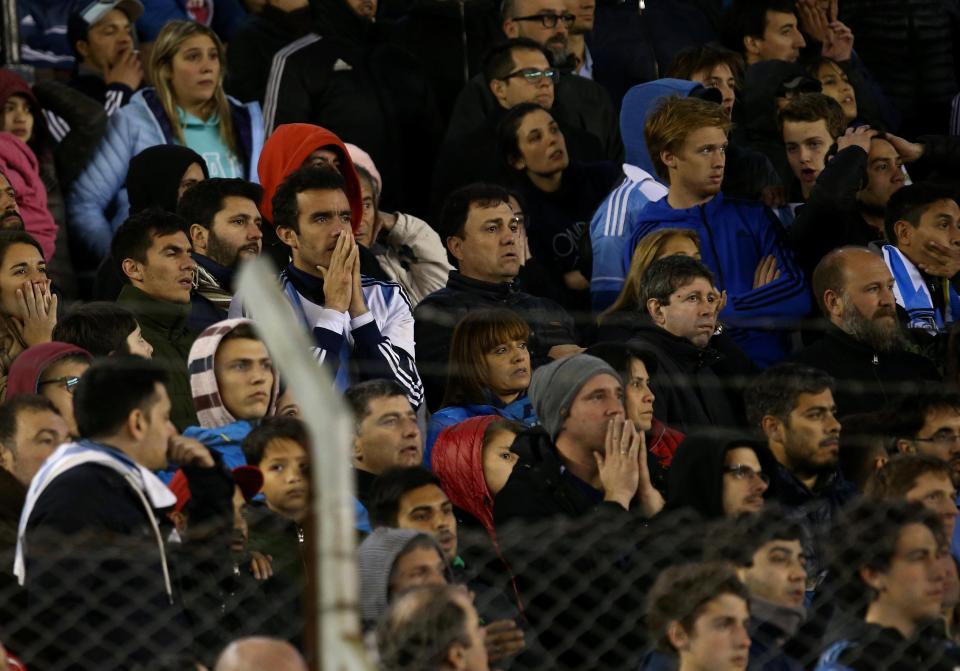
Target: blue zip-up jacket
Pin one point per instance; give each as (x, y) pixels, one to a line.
(140, 124)
(615, 220)
(734, 237)
(520, 410)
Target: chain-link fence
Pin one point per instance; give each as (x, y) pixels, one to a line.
(578, 587)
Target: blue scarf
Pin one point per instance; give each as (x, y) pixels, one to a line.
(913, 295)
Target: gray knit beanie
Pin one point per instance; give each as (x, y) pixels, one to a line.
(376, 557)
(554, 386)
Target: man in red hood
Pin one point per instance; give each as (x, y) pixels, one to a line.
(52, 370)
(294, 145)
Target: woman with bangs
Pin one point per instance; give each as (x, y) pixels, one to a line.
(186, 106)
(489, 372)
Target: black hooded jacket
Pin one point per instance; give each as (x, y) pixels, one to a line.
(350, 78)
(694, 387)
(579, 103)
(755, 119)
(866, 379)
(695, 478)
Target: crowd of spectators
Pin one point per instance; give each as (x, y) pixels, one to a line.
(647, 313)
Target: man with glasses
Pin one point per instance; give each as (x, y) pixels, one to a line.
(52, 370)
(515, 71)
(929, 424)
(579, 102)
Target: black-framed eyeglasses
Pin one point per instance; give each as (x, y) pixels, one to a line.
(533, 75)
(548, 20)
(68, 382)
(744, 472)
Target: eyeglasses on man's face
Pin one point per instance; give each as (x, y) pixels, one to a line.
(548, 20)
(534, 76)
(68, 383)
(744, 472)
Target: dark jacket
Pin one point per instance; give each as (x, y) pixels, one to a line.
(347, 77)
(571, 557)
(911, 49)
(755, 114)
(694, 387)
(866, 379)
(164, 325)
(91, 542)
(437, 315)
(633, 42)
(282, 539)
(695, 479)
(258, 38)
(578, 102)
(831, 216)
(14, 631)
(451, 44)
(540, 487)
(869, 647)
(92, 84)
(557, 222)
(475, 157)
(734, 237)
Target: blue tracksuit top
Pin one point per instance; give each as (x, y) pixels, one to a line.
(734, 236)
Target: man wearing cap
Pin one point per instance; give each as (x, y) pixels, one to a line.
(108, 66)
(584, 454)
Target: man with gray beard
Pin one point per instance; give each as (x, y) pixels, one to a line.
(863, 347)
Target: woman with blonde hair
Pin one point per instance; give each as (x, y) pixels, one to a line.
(489, 372)
(186, 106)
(654, 246)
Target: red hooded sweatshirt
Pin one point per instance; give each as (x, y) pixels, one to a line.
(457, 459)
(19, 165)
(286, 150)
(27, 368)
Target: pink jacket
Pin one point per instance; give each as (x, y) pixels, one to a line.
(20, 166)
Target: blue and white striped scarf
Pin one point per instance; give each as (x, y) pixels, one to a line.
(913, 295)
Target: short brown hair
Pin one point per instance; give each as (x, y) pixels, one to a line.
(692, 60)
(811, 107)
(671, 123)
(475, 335)
(899, 475)
(681, 593)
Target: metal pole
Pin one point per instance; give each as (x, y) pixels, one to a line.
(11, 32)
(331, 431)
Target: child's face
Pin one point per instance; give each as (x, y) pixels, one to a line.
(286, 484)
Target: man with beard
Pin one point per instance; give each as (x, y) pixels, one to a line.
(793, 406)
(10, 218)
(224, 230)
(863, 346)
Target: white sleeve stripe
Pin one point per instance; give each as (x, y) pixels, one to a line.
(611, 206)
(414, 387)
(386, 348)
(277, 67)
(623, 206)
